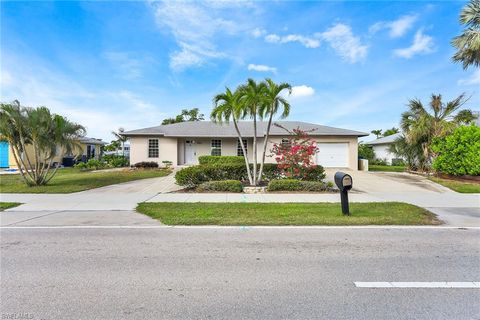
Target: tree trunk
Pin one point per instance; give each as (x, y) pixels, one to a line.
(19, 165)
(245, 155)
(265, 147)
(254, 149)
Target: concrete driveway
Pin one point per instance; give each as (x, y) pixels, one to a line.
(452, 207)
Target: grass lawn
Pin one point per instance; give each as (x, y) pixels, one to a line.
(244, 214)
(458, 186)
(69, 180)
(374, 167)
(8, 205)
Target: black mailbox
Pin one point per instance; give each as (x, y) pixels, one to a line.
(344, 182)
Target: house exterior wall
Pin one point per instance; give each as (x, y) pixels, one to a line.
(29, 152)
(382, 153)
(167, 150)
(173, 149)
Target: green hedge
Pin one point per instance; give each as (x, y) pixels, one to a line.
(225, 186)
(193, 176)
(458, 153)
(297, 185)
(221, 160)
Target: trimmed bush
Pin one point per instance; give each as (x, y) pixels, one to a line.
(224, 186)
(211, 160)
(115, 161)
(458, 153)
(146, 164)
(193, 176)
(296, 185)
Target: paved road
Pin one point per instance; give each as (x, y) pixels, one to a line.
(236, 273)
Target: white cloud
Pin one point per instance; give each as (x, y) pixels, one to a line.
(344, 43)
(261, 68)
(128, 67)
(474, 79)
(302, 91)
(397, 28)
(193, 26)
(422, 44)
(100, 111)
(307, 42)
(257, 32)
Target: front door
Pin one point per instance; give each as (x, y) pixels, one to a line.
(190, 152)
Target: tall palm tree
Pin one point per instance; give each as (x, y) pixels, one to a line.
(468, 43)
(377, 133)
(421, 125)
(48, 135)
(272, 102)
(228, 105)
(121, 138)
(252, 95)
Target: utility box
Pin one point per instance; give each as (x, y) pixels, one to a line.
(363, 164)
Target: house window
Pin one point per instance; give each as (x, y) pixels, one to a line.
(216, 147)
(153, 148)
(286, 142)
(239, 147)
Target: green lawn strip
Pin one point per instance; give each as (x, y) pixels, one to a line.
(373, 167)
(8, 205)
(458, 186)
(69, 180)
(245, 214)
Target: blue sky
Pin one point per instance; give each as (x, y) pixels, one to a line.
(131, 64)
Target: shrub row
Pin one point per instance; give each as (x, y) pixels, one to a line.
(210, 160)
(146, 164)
(224, 186)
(191, 177)
(298, 185)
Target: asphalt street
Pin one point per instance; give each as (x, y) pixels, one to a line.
(155, 272)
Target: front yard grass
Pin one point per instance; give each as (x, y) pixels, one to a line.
(249, 214)
(374, 167)
(69, 180)
(458, 186)
(8, 205)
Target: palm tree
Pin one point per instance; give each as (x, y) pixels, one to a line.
(468, 43)
(121, 138)
(377, 133)
(228, 105)
(253, 96)
(272, 102)
(421, 125)
(48, 135)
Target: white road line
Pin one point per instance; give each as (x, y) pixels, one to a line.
(432, 285)
(233, 227)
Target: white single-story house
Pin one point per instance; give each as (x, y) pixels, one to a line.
(182, 143)
(381, 147)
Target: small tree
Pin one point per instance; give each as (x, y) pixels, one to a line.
(121, 138)
(295, 155)
(365, 151)
(47, 135)
(186, 115)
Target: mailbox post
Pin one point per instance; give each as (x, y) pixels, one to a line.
(344, 182)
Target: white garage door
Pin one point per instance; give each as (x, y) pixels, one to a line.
(332, 155)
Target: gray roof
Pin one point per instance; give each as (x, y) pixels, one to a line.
(92, 141)
(211, 129)
(385, 140)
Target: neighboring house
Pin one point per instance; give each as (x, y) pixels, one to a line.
(182, 143)
(381, 147)
(91, 148)
(120, 151)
